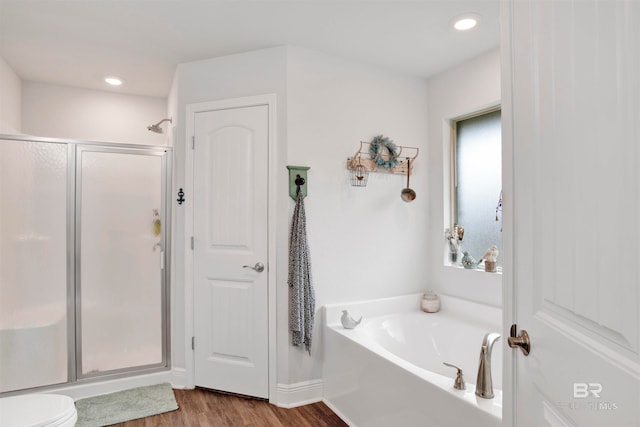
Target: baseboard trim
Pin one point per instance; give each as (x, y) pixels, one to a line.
(298, 394)
(338, 412)
(179, 378)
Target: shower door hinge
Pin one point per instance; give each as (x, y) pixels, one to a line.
(193, 142)
(193, 343)
(192, 245)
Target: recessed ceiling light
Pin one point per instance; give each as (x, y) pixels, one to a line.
(113, 81)
(466, 22)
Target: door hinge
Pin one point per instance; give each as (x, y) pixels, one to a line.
(193, 343)
(193, 142)
(192, 244)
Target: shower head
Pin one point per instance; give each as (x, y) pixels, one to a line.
(156, 128)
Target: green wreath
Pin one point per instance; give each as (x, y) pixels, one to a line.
(376, 147)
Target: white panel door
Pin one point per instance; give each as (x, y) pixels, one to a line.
(573, 105)
(230, 246)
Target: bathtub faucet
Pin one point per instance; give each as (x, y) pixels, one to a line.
(484, 384)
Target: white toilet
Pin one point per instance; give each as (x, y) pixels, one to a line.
(38, 410)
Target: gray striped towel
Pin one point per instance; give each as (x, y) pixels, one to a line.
(302, 300)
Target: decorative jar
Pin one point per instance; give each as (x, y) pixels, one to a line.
(430, 302)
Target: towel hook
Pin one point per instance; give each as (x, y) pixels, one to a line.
(297, 181)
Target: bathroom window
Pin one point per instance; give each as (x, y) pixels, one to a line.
(477, 182)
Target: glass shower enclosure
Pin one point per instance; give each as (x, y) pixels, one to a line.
(83, 261)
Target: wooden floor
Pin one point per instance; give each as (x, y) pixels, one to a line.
(208, 409)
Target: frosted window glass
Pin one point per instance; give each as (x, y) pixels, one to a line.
(479, 182)
(33, 274)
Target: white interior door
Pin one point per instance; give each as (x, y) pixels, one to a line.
(230, 250)
(572, 104)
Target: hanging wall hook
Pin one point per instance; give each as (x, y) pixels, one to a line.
(297, 181)
(180, 198)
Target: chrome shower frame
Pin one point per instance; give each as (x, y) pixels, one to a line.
(74, 337)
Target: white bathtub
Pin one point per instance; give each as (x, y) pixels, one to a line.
(389, 371)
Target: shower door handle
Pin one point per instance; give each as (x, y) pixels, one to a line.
(259, 267)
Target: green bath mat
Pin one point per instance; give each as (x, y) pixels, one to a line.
(125, 405)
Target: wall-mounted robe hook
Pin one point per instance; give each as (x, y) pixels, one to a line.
(297, 179)
(299, 182)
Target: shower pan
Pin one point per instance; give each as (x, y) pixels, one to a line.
(83, 261)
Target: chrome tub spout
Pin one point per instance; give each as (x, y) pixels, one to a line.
(484, 384)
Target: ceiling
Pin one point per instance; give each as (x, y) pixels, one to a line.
(78, 43)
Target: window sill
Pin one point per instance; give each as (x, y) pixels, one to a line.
(477, 269)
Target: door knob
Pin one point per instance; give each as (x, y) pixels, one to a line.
(521, 340)
(259, 267)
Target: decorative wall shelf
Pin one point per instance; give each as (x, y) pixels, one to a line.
(363, 158)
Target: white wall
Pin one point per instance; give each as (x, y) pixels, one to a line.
(464, 89)
(10, 99)
(365, 242)
(66, 112)
(248, 74)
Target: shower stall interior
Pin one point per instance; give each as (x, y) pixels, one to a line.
(83, 261)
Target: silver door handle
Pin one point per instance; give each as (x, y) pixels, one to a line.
(259, 267)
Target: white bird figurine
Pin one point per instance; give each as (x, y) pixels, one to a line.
(492, 254)
(347, 320)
